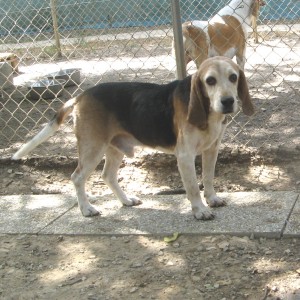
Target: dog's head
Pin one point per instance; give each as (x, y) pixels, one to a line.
(217, 86)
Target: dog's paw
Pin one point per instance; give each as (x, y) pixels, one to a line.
(132, 201)
(215, 201)
(89, 211)
(203, 215)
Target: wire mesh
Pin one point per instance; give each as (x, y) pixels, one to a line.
(132, 40)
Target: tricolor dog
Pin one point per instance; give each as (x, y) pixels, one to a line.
(225, 34)
(185, 117)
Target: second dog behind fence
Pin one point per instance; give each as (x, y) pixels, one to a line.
(186, 118)
(224, 34)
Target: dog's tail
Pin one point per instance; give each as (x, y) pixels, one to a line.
(48, 130)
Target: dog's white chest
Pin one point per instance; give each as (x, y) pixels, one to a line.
(202, 140)
(213, 135)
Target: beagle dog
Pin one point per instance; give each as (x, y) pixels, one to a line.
(185, 118)
(225, 34)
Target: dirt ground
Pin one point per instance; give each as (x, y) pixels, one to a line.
(146, 267)
(141, 267)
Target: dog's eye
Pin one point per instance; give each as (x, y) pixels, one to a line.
(211, 80)
(233, 78)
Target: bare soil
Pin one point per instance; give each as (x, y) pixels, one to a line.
(141, 267)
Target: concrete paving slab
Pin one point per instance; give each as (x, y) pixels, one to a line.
(260, 213)
(31, 213)
(293, 224)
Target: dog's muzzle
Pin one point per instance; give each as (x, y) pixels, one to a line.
(227, 104)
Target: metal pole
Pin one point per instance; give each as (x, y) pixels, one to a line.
(178, 39)
(55, 28)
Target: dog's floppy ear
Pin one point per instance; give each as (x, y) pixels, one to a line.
(243, 93)
(199, 104)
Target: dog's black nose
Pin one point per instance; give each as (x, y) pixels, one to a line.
(227, 102)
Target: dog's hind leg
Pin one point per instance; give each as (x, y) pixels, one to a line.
(113, 159)
(88, 160)
(240, 58)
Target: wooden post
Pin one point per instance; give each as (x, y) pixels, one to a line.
(55, 28)
(254, 25)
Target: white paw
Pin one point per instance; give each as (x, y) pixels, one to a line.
(132, 201)
(215, 201)
(89, 211)
(203, 214)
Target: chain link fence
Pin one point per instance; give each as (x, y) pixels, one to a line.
(132, 41)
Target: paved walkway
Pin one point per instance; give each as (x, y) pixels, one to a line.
(269, 214)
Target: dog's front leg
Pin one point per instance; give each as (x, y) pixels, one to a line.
(186, 166)
(209, 159)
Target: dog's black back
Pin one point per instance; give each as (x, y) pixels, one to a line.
(143, 109)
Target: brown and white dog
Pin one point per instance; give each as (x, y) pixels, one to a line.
(186, 118)
(225, 34)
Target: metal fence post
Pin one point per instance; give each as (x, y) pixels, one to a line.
(178, 39)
